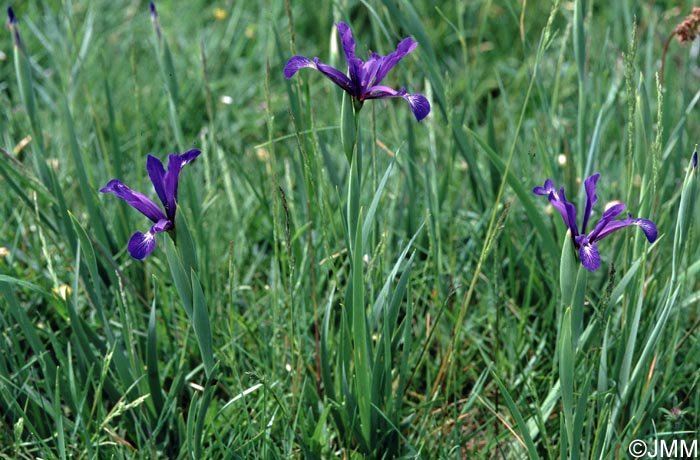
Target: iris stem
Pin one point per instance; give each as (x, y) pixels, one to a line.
(352, 146)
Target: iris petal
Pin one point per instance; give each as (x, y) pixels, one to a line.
(590, 256)
(369, 71)
(346, 40)
(136, 200)
(141, 244)
(606, 225)
(419, 105)
(362, 78)
(172, 177)
(586, 244)
(380, 92)
(188, 157)
(406, 46)
(647, 226)
(295, 63)
(546, 189)
(337, 77)
(591, 198)
(570, 218)
(156, 171)
(165, 184)
(162, 225)
(565, 211)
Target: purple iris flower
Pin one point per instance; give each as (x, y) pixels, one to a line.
(13, 26)
(165, 184)
(364, 78)
(586, 243)
(154, 18)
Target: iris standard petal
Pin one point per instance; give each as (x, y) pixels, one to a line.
(156, 172)
(402, 49)
(591, 198)
(380, 92)
(570, 216)
(369, 70)
(171, 180)
(295, 63)
(136, 200)
(588, 252)
(188, 157)
(141, 244)
(355, 75)
(162, 225)
(346, 40)
(172, 177)
(546, 189)
(606, 220)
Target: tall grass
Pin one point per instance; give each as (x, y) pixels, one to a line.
(345, 284)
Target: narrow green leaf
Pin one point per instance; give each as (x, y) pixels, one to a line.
(577, 305)
(620, 288)
(170, 74)
(353, 203)
(380, 300)
(58, 413)
(93, 285)
(325, 354)
(369, 219)
(154, 385)
(202, 409)
(193, 444)
(632, 337)
(87, 190)
(568, 270)
(348, 127)
(566, 374)
(580, 417)
(403, 371)
(361, 353)
(20, 180)
(185, 244)
(20, 315)
(25, 284)
(202, 326)
(519, 420)
(180, 277)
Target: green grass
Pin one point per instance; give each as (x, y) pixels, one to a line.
(342, 284)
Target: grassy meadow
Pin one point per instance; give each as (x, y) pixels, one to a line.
(345, 281)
